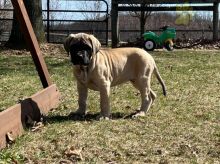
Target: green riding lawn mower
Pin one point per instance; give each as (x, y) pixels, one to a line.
(165, 39)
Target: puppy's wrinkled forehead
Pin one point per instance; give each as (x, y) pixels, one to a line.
(79, 45)
(80, 41)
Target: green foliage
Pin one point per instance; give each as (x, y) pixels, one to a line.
(7, 157)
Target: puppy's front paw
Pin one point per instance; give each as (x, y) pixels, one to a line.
(139, 114)
(77, 116)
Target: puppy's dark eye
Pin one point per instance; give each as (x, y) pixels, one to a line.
(80, 50)
(81, 53)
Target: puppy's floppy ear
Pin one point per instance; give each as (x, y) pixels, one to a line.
(67, 42)
(96, 45)
(92, 42)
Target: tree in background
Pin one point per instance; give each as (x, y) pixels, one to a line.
(95, 5)
(141, 15)
(34, 9)
(5, 4)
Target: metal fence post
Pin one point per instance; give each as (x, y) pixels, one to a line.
(115, 24)
(48, 21)
(215, 20)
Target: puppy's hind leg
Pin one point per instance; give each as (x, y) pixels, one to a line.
(147, 97)
(153, 95)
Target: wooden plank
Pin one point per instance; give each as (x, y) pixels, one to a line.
(31, 40)
(162, 1)
(47, 98)
(13, 120)
(10, 122)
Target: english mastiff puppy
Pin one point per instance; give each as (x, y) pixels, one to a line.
(99, 69)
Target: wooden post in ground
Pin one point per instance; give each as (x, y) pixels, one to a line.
(31, 40)
(215, 20)
(114, 24)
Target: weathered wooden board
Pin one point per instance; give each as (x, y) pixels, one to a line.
(13, 120)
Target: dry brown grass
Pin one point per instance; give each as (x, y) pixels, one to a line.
(183, 127)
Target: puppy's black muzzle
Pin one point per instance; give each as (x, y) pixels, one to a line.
(80, 58)
(80, 54)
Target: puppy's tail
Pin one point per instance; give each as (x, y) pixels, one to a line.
(159, 78)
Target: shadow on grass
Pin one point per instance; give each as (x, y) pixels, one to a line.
(87, 117)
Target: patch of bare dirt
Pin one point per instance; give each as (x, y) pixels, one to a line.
(197, 44)
(58, 50)
(47, 49)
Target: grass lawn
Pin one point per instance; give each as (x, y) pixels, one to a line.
(183, 127)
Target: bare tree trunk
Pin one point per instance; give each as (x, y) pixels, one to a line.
(34, 9)
(141, 15)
